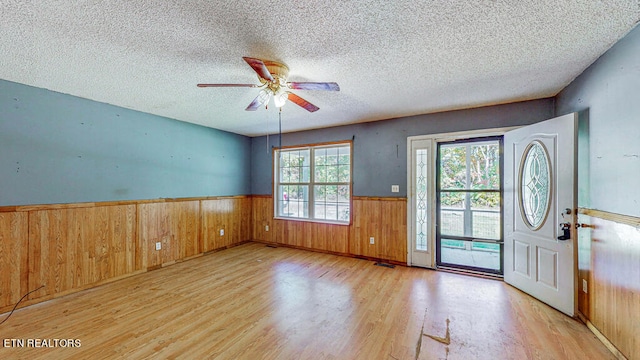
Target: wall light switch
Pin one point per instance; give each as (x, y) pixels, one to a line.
(266, 228)
(395, 188)
(158, 245)
(371, 240)
(221, 232)
(584, 285)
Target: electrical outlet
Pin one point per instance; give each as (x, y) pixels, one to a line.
(221, 232)
(395, 188)
(371, 240)
(158, 245)
(584, 285)
(266, 228)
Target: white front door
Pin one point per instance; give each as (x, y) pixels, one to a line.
(539, 201)
(421, 186)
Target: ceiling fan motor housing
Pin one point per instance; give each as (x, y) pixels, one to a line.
(280, 73)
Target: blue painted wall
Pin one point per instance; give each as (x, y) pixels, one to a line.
(607, 94)
(380, 147)
(56, 148)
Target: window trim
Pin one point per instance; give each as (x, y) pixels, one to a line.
(276, 174)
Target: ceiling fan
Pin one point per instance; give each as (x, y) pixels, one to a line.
(273, 82)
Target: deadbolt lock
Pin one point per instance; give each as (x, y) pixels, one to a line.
(566, 231)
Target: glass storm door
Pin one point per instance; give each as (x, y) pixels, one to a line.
(469, 205)
(540, 207)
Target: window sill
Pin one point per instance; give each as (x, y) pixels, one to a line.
(317, 221)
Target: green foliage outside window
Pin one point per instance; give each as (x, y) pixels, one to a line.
(482, 168)
(330, 165)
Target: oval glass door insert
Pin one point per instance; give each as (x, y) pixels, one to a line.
(535, 185)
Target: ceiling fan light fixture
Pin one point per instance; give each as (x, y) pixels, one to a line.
(280, 98)
(263, 96)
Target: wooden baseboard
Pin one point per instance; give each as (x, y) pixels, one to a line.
(386, 261)
(224, 248)
(29, 302)
(601, 337)
(368, 258)
(274, 244)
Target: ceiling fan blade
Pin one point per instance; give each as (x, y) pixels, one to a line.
(229, 85)
(328, 86)
(262, 98)
(259, 68)
(302, 102)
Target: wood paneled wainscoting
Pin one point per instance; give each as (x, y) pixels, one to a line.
(232, 215)
(384, 219)
(609, 261)
(71, 247)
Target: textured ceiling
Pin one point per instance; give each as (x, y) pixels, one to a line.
(390, 58)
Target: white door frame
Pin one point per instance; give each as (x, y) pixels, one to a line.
(434, 139)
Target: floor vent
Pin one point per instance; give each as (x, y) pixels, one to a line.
(385, 265)
(272, 246)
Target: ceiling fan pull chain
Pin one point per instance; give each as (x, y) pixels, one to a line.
(280, 128)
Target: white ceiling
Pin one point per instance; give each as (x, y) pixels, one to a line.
(390, 58)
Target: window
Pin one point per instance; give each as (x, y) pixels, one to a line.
(314, 182)
(535, 182)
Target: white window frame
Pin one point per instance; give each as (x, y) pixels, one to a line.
(311, 184)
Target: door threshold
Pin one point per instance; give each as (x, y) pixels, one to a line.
(470, 273)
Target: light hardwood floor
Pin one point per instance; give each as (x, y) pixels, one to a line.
(258, 302)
